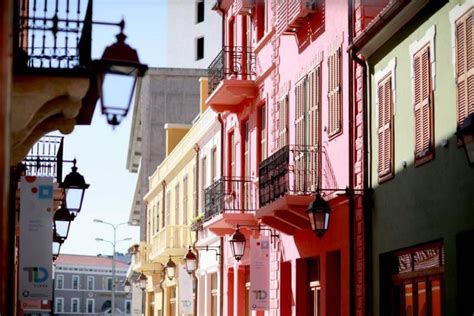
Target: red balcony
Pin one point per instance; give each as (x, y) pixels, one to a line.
(229, 201)
(292, 14)
(288, 181)
(231, 79)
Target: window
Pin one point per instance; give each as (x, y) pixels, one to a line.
(214, 164)
(313, 129)
(109, 284)
(128, 307)
(176, 204)
(172, 301)
(231, 148)
(203, 181)
(214, 294)
(283, 122)
(263, 132)
(59, 306)
(74, 305)
(75, 282)
(334, 94)
(300, 113)
(195, 192)
(59, 281)
(157, 216)
(168, 208)
(423, 106)
(200, 48)
(385, 129)
(246, 162)
(412, 281)
(90, 283)
(185, 200)
(315, 296)
(260, 19)
(90, 303)
(199, 11)
(465, 65)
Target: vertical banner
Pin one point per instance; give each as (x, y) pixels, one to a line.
(36, 238)
(260, 273)
(185, 291)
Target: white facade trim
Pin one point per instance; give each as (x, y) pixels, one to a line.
(87, 305)
(427, 39)
(78, 300)
(57, 300)
(457, 12)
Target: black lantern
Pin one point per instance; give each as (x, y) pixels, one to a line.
(57, 243)
(237, 244)
(465, 134)
(127, 286)
(118, 70)
(171, 269)
(191, 261)
(142, 281)
(62, 222)
(74, 187)
(319, 212)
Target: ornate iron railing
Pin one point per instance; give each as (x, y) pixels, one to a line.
(232, 62)
(293, 169)
(229, 195)
(53, 35)
(45, 158)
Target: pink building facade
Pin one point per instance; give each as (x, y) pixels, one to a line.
(283, 85)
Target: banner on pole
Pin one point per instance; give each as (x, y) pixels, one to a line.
(36, 238)
(185, 291)
(260, 273)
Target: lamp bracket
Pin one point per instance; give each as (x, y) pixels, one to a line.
(259, 227)
(347, 191)
(209, 248)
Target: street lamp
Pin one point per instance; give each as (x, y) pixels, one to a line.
(113, 243)
(62, 221)
(465, 134)
(74, 187)
(319, 212)
(119, 65)
(237, 244)
(127, 287)
(142, 284)
(171, 269)
(190, 261)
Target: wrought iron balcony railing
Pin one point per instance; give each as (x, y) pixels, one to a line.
(229, 195)
(45, 158)
(232, 62)
(53, 36)
(294, 169)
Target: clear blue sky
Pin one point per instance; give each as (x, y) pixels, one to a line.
(101, 152)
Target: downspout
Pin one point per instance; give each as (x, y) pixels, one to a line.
(221, 257)
(351, 165)
(162, 288)
(367, 198)
(163, 210)
(196, 212)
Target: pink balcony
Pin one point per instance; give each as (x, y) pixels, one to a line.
(231, 79)
(244, 6)
(291, 14)
(287, 184)
(229, 201)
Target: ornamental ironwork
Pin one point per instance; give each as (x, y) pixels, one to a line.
(233, 62)
(45, 158)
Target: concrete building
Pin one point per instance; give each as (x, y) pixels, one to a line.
(83, 285)
(194, 33)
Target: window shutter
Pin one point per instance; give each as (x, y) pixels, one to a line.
(300, 113)
(283, 122)
(334, 93)
(314, 127)
(465, 66)
(422, 90)
(385, 135)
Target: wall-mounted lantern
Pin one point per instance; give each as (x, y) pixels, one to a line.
(74, 187)
(319, 212)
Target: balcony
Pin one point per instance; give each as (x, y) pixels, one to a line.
(54, 84)
(287, 184)
(170, 241)
(244, 7)
(229, 201)
(292, 14)
(231, 79)
(141, 261)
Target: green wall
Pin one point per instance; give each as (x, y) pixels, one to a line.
(436, 200)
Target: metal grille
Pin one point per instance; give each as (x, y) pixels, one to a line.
(45, 158)
(294, 169)
(54, 34)
(229, 194)
(232, 62)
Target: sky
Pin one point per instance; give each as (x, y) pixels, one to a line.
(101, 151)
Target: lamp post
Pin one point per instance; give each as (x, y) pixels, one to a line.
(113, 243)
(142, 284)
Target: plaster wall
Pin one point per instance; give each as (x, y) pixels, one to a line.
(433, 201)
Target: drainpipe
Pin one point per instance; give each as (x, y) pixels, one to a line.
(162, 288)
(221, 257)
(195, 250)
(163, 204)
(367, 198)
(218, 8)
(351, 166)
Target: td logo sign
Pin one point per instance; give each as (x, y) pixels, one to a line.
(36, 274)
